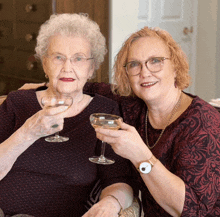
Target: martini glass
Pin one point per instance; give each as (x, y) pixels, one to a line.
(56, 101)
(107, 121)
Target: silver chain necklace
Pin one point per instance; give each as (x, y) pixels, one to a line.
(172, 114)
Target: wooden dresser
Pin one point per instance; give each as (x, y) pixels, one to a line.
(19, 25)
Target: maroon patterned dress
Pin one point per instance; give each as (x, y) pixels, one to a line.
(189, 148)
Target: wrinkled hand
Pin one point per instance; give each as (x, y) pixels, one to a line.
(40, 124)
(125, 142)
(104, 208)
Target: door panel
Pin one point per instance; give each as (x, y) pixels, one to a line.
(174, 16)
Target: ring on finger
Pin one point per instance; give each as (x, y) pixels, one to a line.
(54, 126)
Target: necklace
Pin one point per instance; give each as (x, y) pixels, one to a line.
(172, 114)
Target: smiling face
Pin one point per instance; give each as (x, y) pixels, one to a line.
(147, 85)
(66, 77)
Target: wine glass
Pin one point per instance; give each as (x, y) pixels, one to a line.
(108, 121)
(56, 101)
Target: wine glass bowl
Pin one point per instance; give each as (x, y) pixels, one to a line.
(108, 121)
(52, 102)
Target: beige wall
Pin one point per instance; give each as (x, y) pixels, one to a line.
(207, 70)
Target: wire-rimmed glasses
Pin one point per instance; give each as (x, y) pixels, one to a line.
(77, 60)
(154, 64)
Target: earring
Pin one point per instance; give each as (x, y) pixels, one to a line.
(46, 76)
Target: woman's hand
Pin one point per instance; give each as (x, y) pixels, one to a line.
(40, 124)
(107, 207)
(125, 142)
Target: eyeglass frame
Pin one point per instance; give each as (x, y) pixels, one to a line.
(145, 63)
(54, 55)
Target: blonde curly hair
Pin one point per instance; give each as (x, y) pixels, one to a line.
(178, 58)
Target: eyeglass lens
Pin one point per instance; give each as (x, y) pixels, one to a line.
(153, 65)
(76, 61)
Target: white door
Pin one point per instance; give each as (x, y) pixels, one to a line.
(179, 18)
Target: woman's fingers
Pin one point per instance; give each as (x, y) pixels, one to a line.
(125, 126)
(125, 142)
(50, 111)
(46, 122)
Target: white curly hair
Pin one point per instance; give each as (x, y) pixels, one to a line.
(72, 25)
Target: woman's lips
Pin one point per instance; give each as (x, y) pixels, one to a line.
(148, 84)
(67, 79)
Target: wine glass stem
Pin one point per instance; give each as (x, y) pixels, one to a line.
(102, 150)
(57, 135)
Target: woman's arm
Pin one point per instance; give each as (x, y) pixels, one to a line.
(166, 188)
(37, 126)
(26, 86)
(2, 99)
(193, 188)
(112, 199)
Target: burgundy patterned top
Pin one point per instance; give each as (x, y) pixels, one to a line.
(189, 148)
(55, 179)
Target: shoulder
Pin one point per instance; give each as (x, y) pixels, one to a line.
(200, 120)
(202, 109)
(21, 94)
(21, 98)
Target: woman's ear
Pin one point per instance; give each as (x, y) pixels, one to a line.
(91, 71)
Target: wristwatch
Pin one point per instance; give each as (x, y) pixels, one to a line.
(146, 166)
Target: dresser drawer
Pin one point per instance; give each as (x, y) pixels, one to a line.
(20, 64)
(37, 11)
(6, 33)
(6, 10)
(7, 61)
(28, 67)
(26, 36)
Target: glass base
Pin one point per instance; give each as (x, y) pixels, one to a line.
(56, 139)
(101, 160)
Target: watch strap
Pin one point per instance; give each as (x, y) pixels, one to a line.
(152, 160)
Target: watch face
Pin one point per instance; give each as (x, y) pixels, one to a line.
(145, 167)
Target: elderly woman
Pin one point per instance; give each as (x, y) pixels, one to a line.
(54, 179)
(174, 140)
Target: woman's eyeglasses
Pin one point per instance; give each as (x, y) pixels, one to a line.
(154, 64)
(78, 61)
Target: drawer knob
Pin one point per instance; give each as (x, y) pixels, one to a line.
(29, 8)
(29, 37)
(31, 63)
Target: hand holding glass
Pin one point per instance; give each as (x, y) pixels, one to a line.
(108, 121)
(56, 101)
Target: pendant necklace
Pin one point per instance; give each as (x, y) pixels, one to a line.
(172, 114)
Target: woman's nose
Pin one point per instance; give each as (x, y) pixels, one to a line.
(68, 67)
(145, 72)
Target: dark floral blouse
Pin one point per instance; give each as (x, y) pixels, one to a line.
(189, 148)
